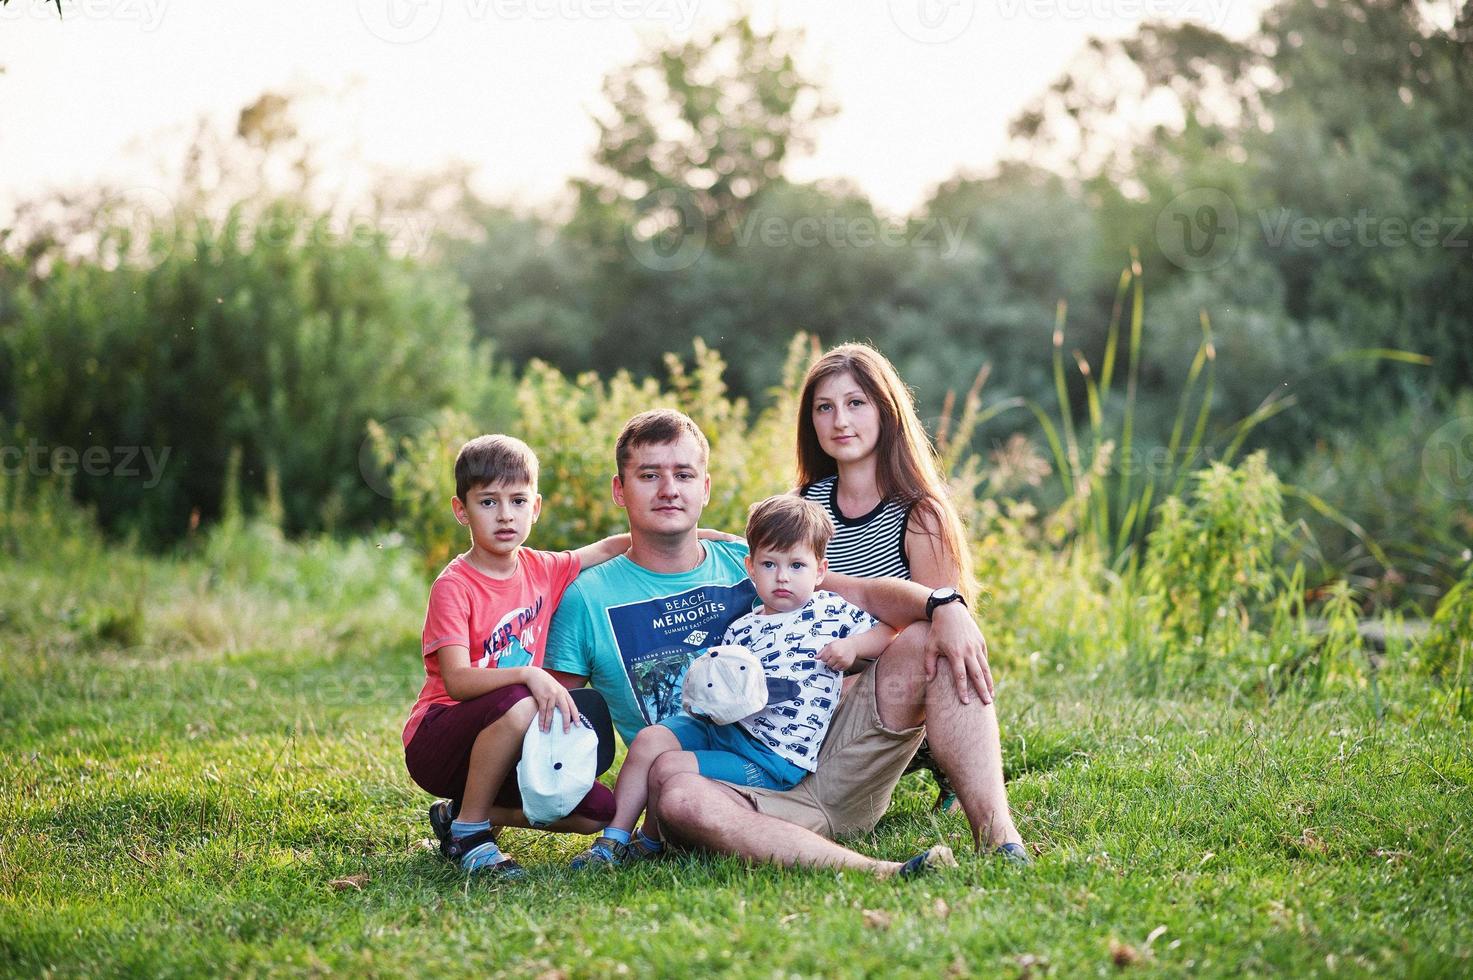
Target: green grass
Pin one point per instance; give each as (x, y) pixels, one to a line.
(180, 807)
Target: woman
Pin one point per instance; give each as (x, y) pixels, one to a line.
(864, 457)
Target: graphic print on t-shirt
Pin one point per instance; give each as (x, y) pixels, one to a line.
(508, 642)
(658, 638)
(788, 644)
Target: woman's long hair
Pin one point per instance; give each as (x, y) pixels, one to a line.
(906, 465)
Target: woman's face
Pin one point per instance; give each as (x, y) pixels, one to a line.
(846, 420)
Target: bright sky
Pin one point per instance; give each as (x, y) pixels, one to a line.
(925, 88)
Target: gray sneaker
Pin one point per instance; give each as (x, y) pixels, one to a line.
(608, 853)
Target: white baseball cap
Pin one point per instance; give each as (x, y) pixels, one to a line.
(725, 684)
(557, 769)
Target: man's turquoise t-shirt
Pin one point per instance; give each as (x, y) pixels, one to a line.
(633, 632)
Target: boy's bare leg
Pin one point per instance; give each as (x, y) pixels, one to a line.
(703, 813)
(667, 765)
(964, 737)
(631, 789)
(492, 756)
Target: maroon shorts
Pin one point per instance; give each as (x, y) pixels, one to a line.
(439, 755)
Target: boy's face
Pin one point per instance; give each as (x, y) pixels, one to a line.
(785, 577)
(500, 515)
(663, 488)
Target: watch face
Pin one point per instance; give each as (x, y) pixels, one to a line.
(941, 595)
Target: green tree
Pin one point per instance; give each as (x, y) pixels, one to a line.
(707, 124)
(269, 332)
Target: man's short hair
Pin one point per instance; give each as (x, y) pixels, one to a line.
(788, 521)
(657, 428)
(494, 459)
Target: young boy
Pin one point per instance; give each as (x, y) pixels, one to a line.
(800, 635)
(482, 645)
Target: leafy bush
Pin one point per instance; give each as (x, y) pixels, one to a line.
(1447, 650)
(266, 331)
(1211, 562)
(1390, 477)
(572, 424)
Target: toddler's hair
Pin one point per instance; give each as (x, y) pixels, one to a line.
(494, 459)
(788, 521)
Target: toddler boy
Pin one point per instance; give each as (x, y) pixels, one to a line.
(799, 635)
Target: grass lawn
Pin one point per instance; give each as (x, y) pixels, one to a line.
(193, 751)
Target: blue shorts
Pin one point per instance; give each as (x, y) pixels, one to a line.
(730, 754)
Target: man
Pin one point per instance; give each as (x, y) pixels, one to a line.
(632, 625)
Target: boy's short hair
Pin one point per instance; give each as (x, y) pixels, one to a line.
(659, 427)
(494, 459)
(788, 521)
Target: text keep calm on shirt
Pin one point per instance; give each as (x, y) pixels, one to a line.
(502, 622)
(633, 632)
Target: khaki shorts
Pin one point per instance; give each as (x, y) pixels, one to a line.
(858, 767)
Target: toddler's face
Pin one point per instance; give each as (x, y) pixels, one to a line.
(785, 577)
(501, 515)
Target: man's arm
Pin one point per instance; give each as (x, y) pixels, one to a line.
(953, 633)
(571, 681)
(601, 551)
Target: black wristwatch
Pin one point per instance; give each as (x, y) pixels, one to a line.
(941, 597)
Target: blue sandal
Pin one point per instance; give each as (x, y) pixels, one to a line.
(1014, 854)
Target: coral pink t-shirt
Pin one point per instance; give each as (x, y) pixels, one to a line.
(503, 622)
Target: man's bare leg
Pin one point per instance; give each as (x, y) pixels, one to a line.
(964, 737)
(667, 765)
(700, 812)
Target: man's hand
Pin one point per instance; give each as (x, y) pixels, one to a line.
(955, 636)
(549, 694)
(839, 655)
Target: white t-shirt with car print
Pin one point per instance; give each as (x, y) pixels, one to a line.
(788, 645)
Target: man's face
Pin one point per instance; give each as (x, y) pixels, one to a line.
(663, 488)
